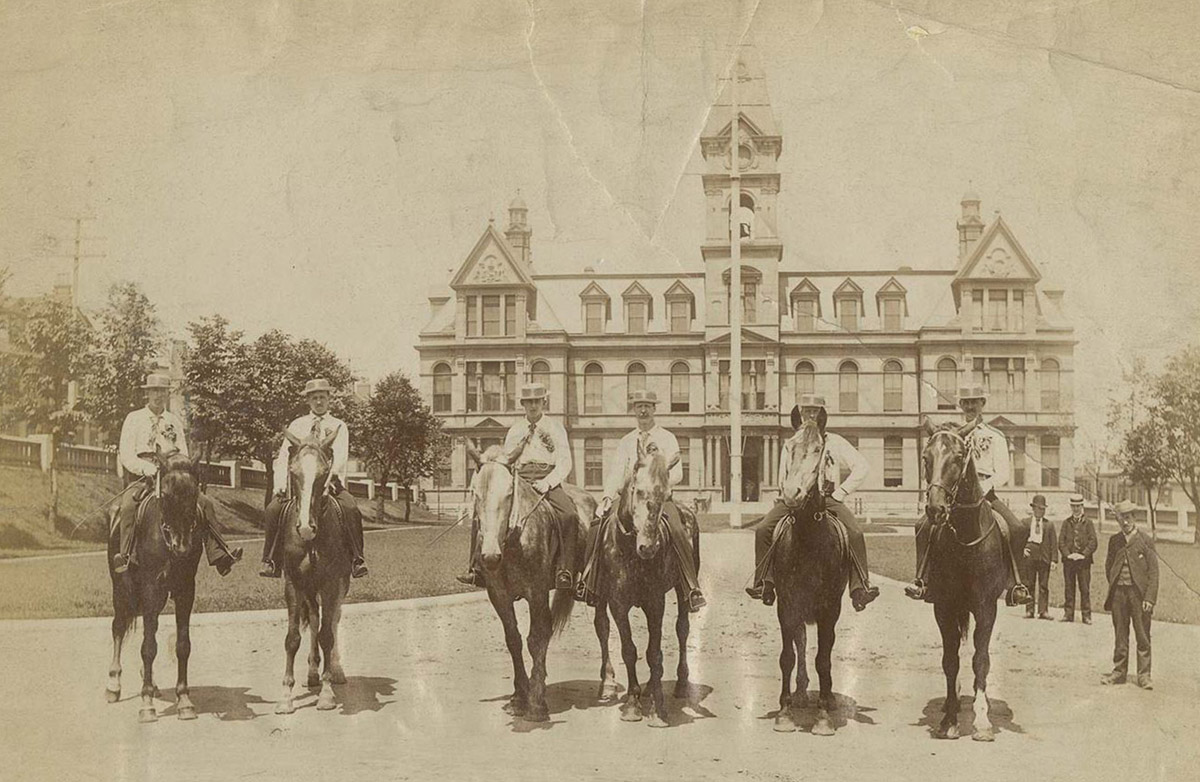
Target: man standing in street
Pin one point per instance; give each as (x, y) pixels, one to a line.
(1132, 568)
(1077, 543)
(1041, 554)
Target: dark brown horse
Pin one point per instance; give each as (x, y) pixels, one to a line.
(810, 565)
(518, 551)
(167, 552)
(316, 570)
(968, 569)
(637, 570)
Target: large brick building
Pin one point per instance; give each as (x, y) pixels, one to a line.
(885, 346)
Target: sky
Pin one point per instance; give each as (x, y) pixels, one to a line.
(321, 167)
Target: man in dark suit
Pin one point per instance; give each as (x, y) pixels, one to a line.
(1077, 543)
(1041, 554)
(1132, 568)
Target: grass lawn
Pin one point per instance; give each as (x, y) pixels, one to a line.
(1179, 566)
(404, 562)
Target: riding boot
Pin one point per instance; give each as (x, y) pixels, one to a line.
(474, 574)
(216, 549)
(919, 588)
(681, 544)
(352, 519)
(270, 561)
(1017, 593)
(588, 588)
(127, 525)
(861, 591)
(568, 532)
(763, 587)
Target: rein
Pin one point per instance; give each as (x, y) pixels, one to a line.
(954, 492)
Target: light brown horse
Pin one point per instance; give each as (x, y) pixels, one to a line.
(638, 569)
(316, 570)
(167, 553)
(518, 552)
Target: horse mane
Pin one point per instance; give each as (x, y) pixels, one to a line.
(180, 483)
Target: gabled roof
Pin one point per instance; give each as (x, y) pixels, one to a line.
(747, 336)
(998, 255)
(848, 288)
(489, 423)
(679, 290)
(754, 103)
(635, 291)
(491, 262)
(805, 288)
(594, 291)
(891, 289)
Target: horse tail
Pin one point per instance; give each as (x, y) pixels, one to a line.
(310, 613)
(964, 625)
(560, 610)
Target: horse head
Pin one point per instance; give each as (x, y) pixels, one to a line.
(308, 469)
(807, 447)
(949, 471)
(180, 493)
(492, 492)
(646, 489)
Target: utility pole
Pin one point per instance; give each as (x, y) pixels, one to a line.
(735, 303)
(76, 258)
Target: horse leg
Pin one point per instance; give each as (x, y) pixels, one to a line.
(313, 681)
(518, 704)
(185, 597)
(608, 677)
(785, 721)
(948, 624)
(826, 635)
(326, 700)
(800, 694)
(149, 651)
(655, 608)
(985, 619)
(631, 709)
(291, 645)
(683, 626)
(540, 624)
(333, 663)
(120, 626)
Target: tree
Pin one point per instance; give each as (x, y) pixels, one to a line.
(130, 337)
(211, 381)
(397, 436)
(1175, 403)
(1143, 460)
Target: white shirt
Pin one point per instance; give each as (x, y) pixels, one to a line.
(989, 450)
(142, 432)
(548, 445)
(302, 427)
(1036, 527)
(839, 454)
(627, 454)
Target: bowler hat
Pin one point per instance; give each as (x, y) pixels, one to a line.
(642, 395)
(1039, 501)
(532, 391)
(1125, 507)
(972, 392)
(157, 380)
(812, 400)
(317, 384)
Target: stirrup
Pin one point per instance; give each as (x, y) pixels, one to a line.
(470, 578)
(564, 579)
(269, 570)
(861, 598)
(358, 569)
(696, 601)
(917, 590)
(1017, 595)
(120, 563)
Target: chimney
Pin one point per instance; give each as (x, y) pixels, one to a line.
(970, 226)
(518, 232)
(436, 302)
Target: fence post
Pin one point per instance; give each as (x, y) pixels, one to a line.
(46, 443)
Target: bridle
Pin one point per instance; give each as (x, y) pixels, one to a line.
(519, 524)
(319, 497)
(943, 519)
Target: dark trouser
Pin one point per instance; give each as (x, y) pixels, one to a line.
(925, 528)
(352, 526)
(1126, 608)
(1077, 572)
(678, 538)
(567, 520)
(764, 533)
(1036, 574)
(216, 550)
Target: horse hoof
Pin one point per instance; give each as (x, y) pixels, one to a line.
(538, 715)
(784, 724)
(314, 680)
(950, 732)
(147, 715)
(112, 696)
(608, 693)
(631, 713)
(823, 728)
(285, 707)
(187, 713)
(337, 676)
(515, 708)
(984, 735)
(326, 701)
(656, 721)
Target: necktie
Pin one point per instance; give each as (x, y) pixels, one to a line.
(643, 444)
(154, 430)
(316, 427)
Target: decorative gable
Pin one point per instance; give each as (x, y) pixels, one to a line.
(805, 290)
(892, 289)
(491, 263)
(594, 291)
(999, 256)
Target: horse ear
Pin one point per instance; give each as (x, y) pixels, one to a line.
(926, 426)
(327, 441)
(291, 438)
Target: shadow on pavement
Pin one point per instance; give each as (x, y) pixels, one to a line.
(1000, 714)
(227, 703)
(363, 693)
(845, 710)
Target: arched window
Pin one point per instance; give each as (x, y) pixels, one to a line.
(947, 383)
(745, 216)
(635, 380)
(593, 461)
(593, 389)
(1050, 385)
(806, 379)
(848, 387)
(680, 387)
(441, 388)
(893, 387)
(539, 372)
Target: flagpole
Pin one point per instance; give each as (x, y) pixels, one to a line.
(735, 304)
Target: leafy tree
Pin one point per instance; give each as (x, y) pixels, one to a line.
(1175, 403)
(212, 379)
(397, 436)
(130, 336)
(56, 347)
(1143, 460)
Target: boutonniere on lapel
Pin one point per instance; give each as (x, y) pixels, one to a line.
(546, 439)
(169, 432)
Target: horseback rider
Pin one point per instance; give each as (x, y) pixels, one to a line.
(988, 449)
(148, 434)
(320, 424)
(537, 449)
(647, 438)
(839, 455)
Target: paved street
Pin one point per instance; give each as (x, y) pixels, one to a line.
(427, 680)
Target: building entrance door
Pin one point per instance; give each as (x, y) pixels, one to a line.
(751, 468)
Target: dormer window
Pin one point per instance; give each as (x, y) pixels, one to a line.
(597, 309)
(806, 307)
(892, 305)
(847, 305)
(639, 309)
(681, 308)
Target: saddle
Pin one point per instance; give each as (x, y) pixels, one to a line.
(843, 538)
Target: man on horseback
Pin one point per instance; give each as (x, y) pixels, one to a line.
(148, 434)
(839, 455)
(320, 424)
(988, 449)
(538, 451)
(647, 438)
